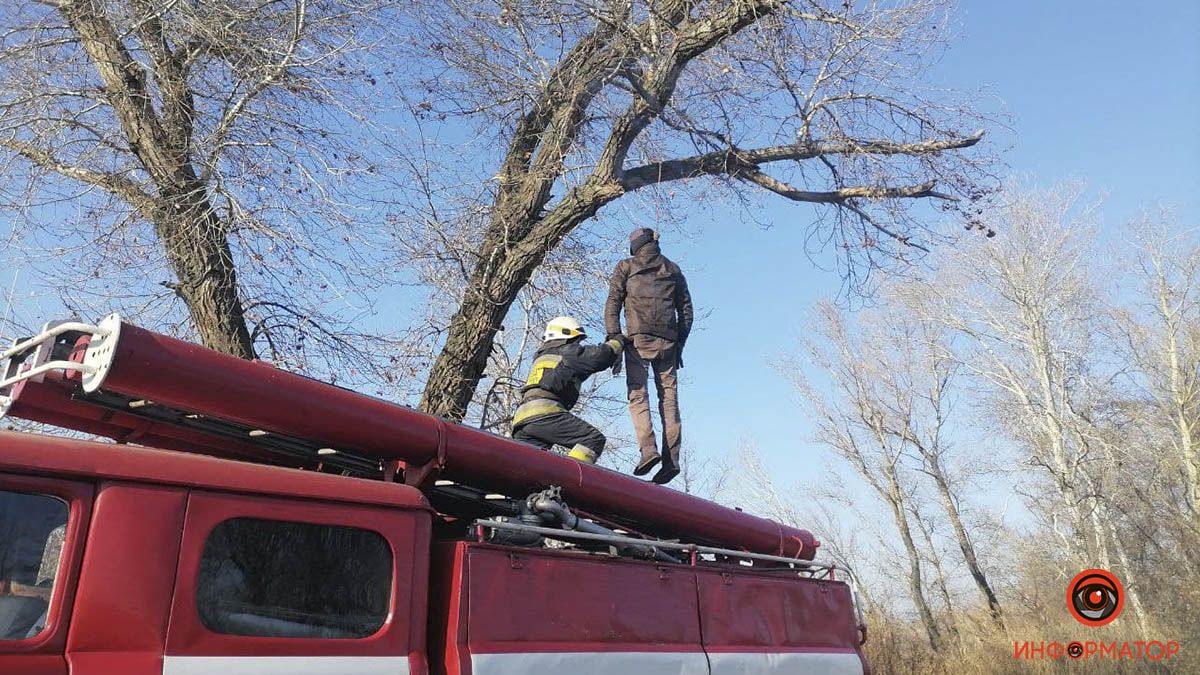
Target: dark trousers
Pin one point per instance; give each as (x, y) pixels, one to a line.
(562, 429)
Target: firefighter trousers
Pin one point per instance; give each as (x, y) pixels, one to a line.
(562, 429)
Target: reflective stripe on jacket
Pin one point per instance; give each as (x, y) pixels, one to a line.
(534, 408)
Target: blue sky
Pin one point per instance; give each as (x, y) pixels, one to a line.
(1095, 91)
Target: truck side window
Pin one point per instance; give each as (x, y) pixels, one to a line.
(32, 530)
(271, 578)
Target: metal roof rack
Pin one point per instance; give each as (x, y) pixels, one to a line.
(808, 568)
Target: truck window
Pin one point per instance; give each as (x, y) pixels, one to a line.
(32, 530)
(271, 578)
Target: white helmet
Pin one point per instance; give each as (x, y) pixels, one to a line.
(563, 328)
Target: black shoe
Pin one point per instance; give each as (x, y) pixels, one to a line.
(646, 464)
(666, 475)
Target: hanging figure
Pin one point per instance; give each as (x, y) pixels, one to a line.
(658, 317)
(544, 416)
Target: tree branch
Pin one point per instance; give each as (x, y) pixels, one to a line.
(693, 39)
(560, 82)
(727, 162)
(273, 74)
(840, 195)
(116, 184)
(170, 72)
(125, 87)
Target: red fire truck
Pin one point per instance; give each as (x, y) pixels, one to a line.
(250, 520)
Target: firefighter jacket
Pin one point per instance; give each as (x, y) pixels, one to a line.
(654, 294)
(559, 369)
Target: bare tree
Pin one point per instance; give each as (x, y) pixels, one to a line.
(748, 483)
(926, 525)
(1162, 336)
(710, 478)
(755, 489)
(851, 421)
(591, 101)
(210, 152)
(916, 375)
(1033, 319)
(1016, 334)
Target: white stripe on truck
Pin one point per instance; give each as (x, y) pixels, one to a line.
(575, 663)
(808, 663)
(591, 663)
(285, 665)
(667, 663)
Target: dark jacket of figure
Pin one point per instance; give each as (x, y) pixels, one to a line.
(654, 294)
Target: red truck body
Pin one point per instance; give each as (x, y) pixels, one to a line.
(116, 558)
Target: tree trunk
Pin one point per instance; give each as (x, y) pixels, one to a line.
(193, 237)
(1181, 397)
(964, 542)
(915, 586)
(197, 248)
(505, 266)
(943, 586)
(463, 359)
(1132, 587)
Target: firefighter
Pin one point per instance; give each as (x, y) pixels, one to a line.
(544, 417)
(658, 317)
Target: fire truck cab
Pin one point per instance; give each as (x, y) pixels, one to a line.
(118, 558)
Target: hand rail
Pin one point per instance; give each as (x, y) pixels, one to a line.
(615, 539)
(33, 357)
(45, 368)
(51, 333)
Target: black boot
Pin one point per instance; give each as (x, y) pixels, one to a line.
(666, 474)
(646, 464)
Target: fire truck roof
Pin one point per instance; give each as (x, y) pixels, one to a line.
(38, 454)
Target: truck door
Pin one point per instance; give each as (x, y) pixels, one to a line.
(515, 611)
(286, 586)
(42, 527)
(777, 624)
